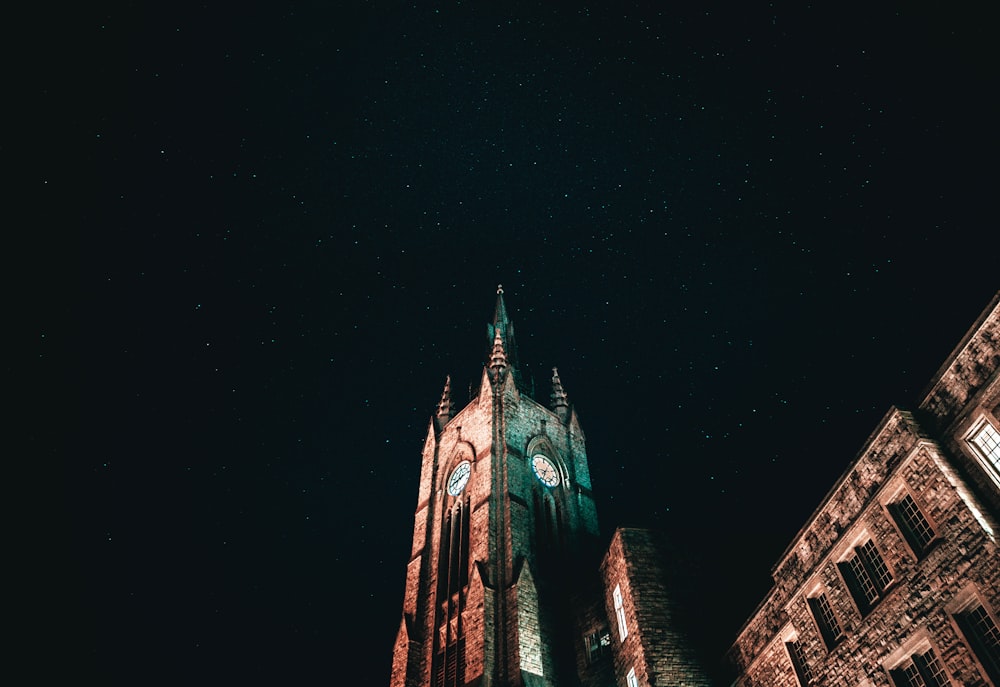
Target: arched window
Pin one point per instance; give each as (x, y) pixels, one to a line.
(550, 540)
(453, 561)
(453, 575)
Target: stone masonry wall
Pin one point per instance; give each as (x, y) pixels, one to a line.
(656, 646)
(897, 434)
(961, 557)
(967, 394)
(972, 363)
(931, 584)
(657, 581)
(628, 651)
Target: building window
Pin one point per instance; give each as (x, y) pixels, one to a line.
(598, 644)
(866, 574)
(620, 613)
(827, 621)
(983, 636)
(922, 670)
(986, 439)
(799, 662)
(912, 523)
(631, 680)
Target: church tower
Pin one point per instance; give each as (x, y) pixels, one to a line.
(501, 585)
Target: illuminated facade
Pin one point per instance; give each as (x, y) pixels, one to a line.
(895, 578)
(507, 583)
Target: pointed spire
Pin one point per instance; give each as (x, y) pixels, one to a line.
(500, 318)
(501, 323)
(559, 399)
(445, 409)
(502, 330)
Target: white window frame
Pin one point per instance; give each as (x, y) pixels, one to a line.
(631, 679)
(987, 455)
(620, 612)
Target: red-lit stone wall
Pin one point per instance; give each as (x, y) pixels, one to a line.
(513, 614)
(971, 366)
(932, 584)
(964, 394)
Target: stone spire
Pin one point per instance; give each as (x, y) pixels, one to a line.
(500, 319)
(502, 330)
(559, 399)
(445, 409)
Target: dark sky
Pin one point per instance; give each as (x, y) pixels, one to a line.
(741, 234)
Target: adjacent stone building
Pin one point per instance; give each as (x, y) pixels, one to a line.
(644, 577)
(895, 578)
(508, 583)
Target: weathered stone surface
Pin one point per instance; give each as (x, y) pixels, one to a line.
(925, 457)
(493, 588)
(656, 646)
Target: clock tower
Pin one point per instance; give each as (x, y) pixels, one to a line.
(502, 588)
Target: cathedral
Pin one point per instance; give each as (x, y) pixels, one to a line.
(894, 581)
(508, 583)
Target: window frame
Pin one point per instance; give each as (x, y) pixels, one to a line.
(619, 602)
(910, 659)
(858, 559)
(917, 670)
(597, 644)
(959, 609)
(800, 664)
(985, 455)
(910, 518)
(831, 629)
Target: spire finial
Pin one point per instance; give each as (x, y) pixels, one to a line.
(445, 410)
(559, 398)
(499, 289)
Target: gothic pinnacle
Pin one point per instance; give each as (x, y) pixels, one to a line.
(559, 398)
(445, 410)
(498, 359)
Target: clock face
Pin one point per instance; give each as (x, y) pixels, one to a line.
(459, 478)
(545, 471)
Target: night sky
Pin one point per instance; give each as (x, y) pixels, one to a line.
(740, 234)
